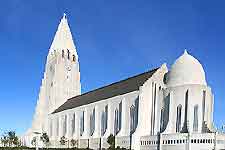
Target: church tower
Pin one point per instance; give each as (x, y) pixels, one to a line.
(61, 77)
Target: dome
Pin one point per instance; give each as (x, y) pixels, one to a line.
(186, 70)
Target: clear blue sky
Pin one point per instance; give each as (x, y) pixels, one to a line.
(115, 39)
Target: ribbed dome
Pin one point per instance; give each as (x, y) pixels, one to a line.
(186, 70)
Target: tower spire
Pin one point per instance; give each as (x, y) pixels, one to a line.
(63, 39)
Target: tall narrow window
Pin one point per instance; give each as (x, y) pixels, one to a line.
(178, 120)
(120, 116)
(153, 108)
(63, 54)
(74, 59)
(136, 113)
(165, 112)
(185, 125)
(73, 124)
(102, 123)
(82, 123)
(68, 54)
(203, 107)
(195, 123)
(104, 118)
(132, 119)
(162, 119)
(92, 122)
(116, 122)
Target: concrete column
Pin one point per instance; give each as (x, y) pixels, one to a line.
(110, 121)
(77, 125)
(53, 128)
(125, 126)
(68, 126)
(97, 122)
(60, 127)
(86, 133)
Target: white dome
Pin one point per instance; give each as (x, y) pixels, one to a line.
(186, 70)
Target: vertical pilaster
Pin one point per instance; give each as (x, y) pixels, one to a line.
(77, 125)
(97, 122)
(60, 127)
(125, 126)
(68, 126)
(86, 133)
(110, 121)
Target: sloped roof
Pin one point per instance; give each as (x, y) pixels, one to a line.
(118, 88)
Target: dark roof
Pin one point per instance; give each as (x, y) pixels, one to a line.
(118, 88)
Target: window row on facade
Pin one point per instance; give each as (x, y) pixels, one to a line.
(149, 142)
(68, 125)
(182, 141)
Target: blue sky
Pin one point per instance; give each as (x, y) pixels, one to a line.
(115, 39)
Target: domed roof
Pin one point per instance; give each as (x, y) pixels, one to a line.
(186, 70)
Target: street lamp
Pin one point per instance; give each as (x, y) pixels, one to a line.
(37, 133)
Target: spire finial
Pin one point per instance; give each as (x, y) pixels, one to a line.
(185, 51)
(64, 15)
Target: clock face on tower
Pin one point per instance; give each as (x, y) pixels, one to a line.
(68, 68)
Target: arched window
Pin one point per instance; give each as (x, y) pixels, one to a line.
(165, 112)
(116, 122)
(92, 122)
(82, 123)
(118, 119)
(185, 125)
(132, 119)
(203, 106)
(162, 119)
(178, 121)
(154, 91)
(104, 118)
(195, 122)
(73, 124)
(134, 116)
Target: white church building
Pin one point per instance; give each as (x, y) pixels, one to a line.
(157, 110)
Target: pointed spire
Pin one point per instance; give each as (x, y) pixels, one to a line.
(185, 51)
(64, 15)
(63, 39)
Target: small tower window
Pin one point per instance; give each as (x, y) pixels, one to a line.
(62, 53)
(68, 54)
(74, 58)
(195, 123)
(178, 121)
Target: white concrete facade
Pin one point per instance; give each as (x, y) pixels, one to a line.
(172, 109)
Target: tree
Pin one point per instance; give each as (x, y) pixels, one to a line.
(73, 142)
(34, 141)
(10, 139)
(111, 142)
(45, 139)
(63, 140)
(13, 139)
(4, 140)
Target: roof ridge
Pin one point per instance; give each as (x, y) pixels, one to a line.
(115, 83)
(108, 91)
